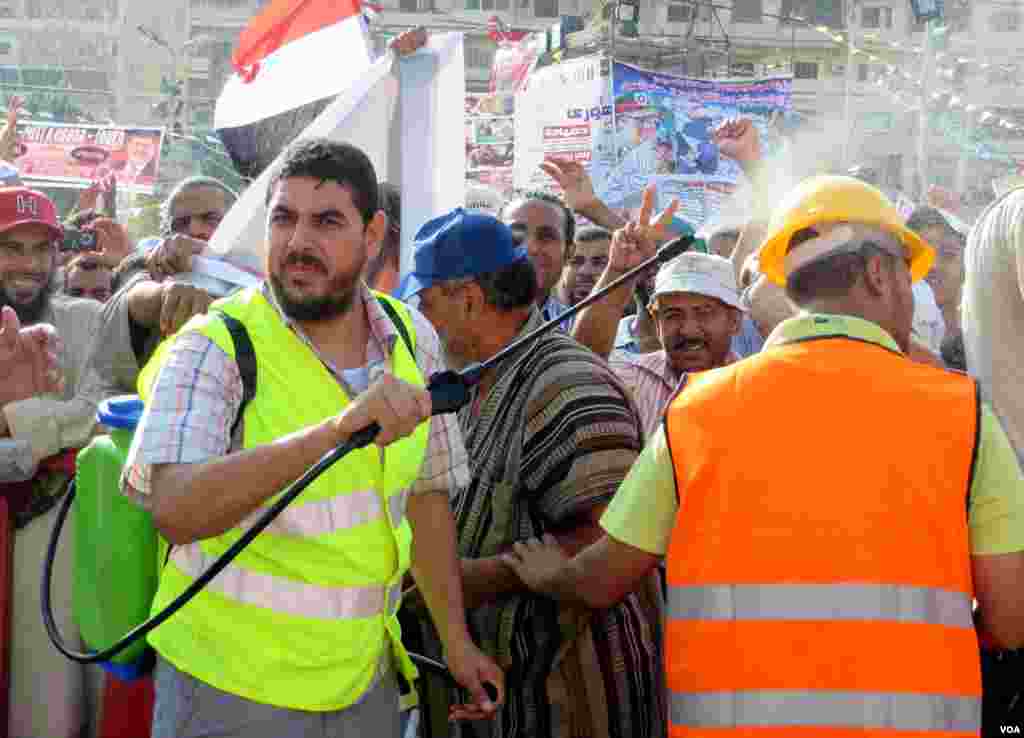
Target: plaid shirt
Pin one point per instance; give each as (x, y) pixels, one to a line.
(651, 380)
(198, 394)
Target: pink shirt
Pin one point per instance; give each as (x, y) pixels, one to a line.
(651, 380)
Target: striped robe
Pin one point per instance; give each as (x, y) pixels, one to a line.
(553, 437)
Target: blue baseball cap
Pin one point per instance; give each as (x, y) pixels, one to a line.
(462, 243)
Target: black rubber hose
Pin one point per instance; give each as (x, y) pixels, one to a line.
(449, 391)
(358, 440)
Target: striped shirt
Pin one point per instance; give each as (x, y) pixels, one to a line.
(198, 394)
(651, 380)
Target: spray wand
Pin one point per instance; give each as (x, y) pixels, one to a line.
(449, 392)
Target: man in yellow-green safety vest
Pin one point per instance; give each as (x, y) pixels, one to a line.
(299, 635)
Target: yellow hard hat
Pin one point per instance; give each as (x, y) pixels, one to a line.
(834, 199)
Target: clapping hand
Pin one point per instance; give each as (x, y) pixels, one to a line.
(28, 359)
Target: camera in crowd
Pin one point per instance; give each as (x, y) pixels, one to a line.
(78, 240)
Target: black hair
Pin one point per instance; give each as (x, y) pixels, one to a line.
(330, 161)
(509, 288)
(642, 294)
(391, 203)
(832, 276)
(541, 196)
(590, 234)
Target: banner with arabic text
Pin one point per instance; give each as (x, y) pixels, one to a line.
(80, 154)
(664, 128)
(563, 112)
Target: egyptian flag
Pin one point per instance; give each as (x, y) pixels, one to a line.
(291, 61)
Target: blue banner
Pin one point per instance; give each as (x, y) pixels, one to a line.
(663, 133)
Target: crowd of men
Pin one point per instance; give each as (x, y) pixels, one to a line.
(751, 488)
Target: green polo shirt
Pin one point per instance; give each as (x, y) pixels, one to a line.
(643, 511)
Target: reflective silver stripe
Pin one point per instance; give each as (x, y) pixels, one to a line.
(396, 507)
(322, 517)
(285, 595)
(821, 602)
(820, 708)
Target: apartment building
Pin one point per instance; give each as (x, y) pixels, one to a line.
(49, 45)
(858, 107)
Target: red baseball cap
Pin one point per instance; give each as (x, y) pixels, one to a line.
(21, 206)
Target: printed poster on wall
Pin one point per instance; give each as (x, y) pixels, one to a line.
(563, 112)
(663, 134)
(490, 142)
(80, 154)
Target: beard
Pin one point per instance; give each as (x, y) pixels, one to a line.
(341, 292)
(30, 312)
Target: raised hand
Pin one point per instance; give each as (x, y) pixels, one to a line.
(408, 42)
(738, 139)
(572, 177)
(112, 241)
(14, 105)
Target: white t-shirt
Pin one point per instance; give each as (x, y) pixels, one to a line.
(929, 325)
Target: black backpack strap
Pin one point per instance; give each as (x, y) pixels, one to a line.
(977, 442)
(245, 357)
(399, 323)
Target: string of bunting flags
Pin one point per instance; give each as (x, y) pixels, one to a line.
(955, 100)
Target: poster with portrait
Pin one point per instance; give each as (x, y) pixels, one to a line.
(80, 154)
(664, 126)
(640, 128)
(490, 142)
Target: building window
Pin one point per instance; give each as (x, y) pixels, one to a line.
(1008, 20)
(488, 5)
(545, 8)
(478, 57)
(958, 15)
(862, 72)
(876, 18)
(413, 6)
(6, 48)
(805, 70)
(7, 10)
(87, 79)
(199, 88)
(1003, 75)
(680, 13)
(746, 11)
